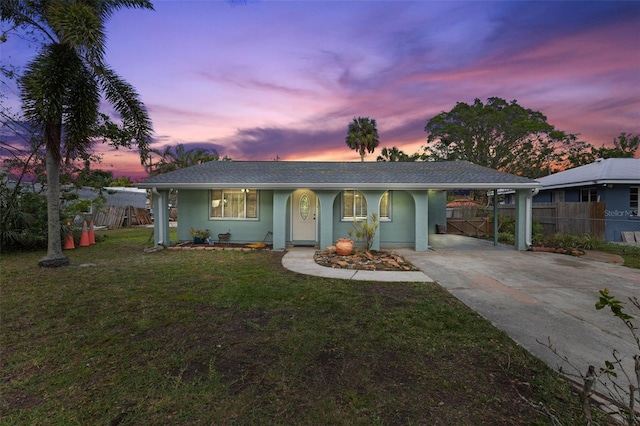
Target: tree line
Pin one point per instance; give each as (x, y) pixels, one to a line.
(497, 134)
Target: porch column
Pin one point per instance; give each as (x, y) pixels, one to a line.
(523, 219)
(421, 202)
(161, 217)
(280, 199)
(325, 217)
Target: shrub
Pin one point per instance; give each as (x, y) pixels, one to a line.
(23, 219)
(366, 230)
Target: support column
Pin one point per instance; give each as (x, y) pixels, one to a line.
(325, 216)
(523, 219)
(421, 202)
(280, 199)
(161, 217)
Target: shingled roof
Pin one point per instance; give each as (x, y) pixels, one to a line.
(602, 171)
(337, 175)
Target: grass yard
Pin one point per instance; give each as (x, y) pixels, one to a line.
(124, 337)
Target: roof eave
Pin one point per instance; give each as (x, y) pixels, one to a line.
(598, 182)
(344, 185)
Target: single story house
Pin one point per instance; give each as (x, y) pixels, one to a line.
(315, 203)
(613, 181)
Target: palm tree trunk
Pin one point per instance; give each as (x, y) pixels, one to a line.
(54, 257)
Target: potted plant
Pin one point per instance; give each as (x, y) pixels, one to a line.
(199, 235)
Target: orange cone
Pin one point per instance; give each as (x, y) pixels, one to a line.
(84, 239)
(68, 242)
(92, 233)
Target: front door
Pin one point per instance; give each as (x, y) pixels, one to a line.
(303, 217)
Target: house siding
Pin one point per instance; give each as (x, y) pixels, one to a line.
(401, 229)
(398, 232)
(618, 214)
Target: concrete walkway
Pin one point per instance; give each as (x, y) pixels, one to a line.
(532, 296)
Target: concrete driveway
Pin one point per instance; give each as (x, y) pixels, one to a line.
(537, 296)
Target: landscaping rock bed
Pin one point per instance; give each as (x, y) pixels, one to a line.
(217, 246)
(369, 261)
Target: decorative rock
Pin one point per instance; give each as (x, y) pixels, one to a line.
(375, 261)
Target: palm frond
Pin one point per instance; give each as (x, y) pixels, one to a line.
(107, 7)
(77, 25)
(126, 102)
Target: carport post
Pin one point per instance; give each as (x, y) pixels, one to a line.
(523, 218)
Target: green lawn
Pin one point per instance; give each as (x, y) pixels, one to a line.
(216, 337)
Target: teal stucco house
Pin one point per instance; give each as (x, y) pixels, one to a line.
(315, 203)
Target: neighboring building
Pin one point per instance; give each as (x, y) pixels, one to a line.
(117, 196)
(613, 181)
(315, 203)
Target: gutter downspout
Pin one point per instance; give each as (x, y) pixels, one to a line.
(160, 217)
(495, 217)
(529, 217)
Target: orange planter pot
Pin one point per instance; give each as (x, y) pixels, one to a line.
(344, 247)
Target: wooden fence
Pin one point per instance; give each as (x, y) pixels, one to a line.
(473, 226)
(566, 218)
(555, 218)
(120, 217)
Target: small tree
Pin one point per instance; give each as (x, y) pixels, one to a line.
(626, 396)
(365, 230)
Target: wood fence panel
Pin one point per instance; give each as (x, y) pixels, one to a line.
(566, 218)
(121, 216)
(474, 227)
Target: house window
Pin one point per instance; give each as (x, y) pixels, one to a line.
(558, 196)
(354, 205)
(588, 195)
(234, 204)
(633, 200)
(385, 206)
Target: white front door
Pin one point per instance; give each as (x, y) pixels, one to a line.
(303, 216)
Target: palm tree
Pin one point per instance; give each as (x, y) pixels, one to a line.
(178, 158)
(362, 136)
(62, 87)
(392, 154)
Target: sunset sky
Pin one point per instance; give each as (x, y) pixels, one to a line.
(266, 79)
